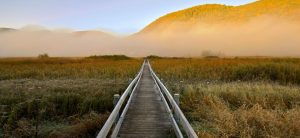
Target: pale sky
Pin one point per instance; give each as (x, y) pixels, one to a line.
(119, 16)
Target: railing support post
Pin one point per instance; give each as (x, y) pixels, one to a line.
(176, 98)
(116, 99)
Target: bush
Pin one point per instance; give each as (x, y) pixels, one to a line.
(43, 56)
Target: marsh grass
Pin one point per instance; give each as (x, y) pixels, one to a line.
(255, 97)
(60, 97)
(54, 68)
(279, 70)
(243, 109)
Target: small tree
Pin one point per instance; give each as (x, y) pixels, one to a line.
(207, 53)
(210, 54)
(43, 56)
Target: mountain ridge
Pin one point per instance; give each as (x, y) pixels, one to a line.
(41, 29)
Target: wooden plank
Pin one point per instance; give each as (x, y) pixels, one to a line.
(146, 116)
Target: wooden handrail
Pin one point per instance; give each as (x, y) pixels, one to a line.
(116, 111)
(189, 131)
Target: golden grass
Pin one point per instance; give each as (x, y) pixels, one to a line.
(67, 68)
(279, 70)
(220, 103)
(65, 97)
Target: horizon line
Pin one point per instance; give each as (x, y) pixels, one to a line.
(105, 30)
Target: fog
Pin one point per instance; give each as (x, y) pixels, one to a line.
(263, 36)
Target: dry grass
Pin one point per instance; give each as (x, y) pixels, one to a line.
(279, 70)
(59, 68)
(243, 109)
(64, 97)
(221, 104)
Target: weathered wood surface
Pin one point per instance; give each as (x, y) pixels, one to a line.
(146, 116)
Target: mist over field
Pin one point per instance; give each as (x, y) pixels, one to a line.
(262, 36)
(261, 28)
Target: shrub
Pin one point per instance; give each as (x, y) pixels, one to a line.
(43, 56)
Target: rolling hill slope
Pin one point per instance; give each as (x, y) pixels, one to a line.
(214, 14)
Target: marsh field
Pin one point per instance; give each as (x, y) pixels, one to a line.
(221, 97)
(60, 97)
(240, 97)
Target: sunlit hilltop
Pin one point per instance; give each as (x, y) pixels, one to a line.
(213, 14)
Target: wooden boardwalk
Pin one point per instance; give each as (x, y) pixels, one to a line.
(147, 115)
(146, 109)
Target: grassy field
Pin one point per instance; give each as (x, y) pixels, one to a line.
(60, 97)
(241, 97)
(72, 97)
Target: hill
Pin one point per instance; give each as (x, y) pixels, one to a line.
(6, 30)
(93, 33)
(214, 14)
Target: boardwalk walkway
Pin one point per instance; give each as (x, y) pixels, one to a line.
(146, 109)
(146, 116)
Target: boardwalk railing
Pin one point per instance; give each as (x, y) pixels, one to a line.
(178, 120)
(114, 116)
(176, 111)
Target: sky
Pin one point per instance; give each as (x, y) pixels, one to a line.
(118, 16)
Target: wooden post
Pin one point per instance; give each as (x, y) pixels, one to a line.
(116, 99)
(176, 98)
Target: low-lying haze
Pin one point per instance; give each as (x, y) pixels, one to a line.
(262, 36)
